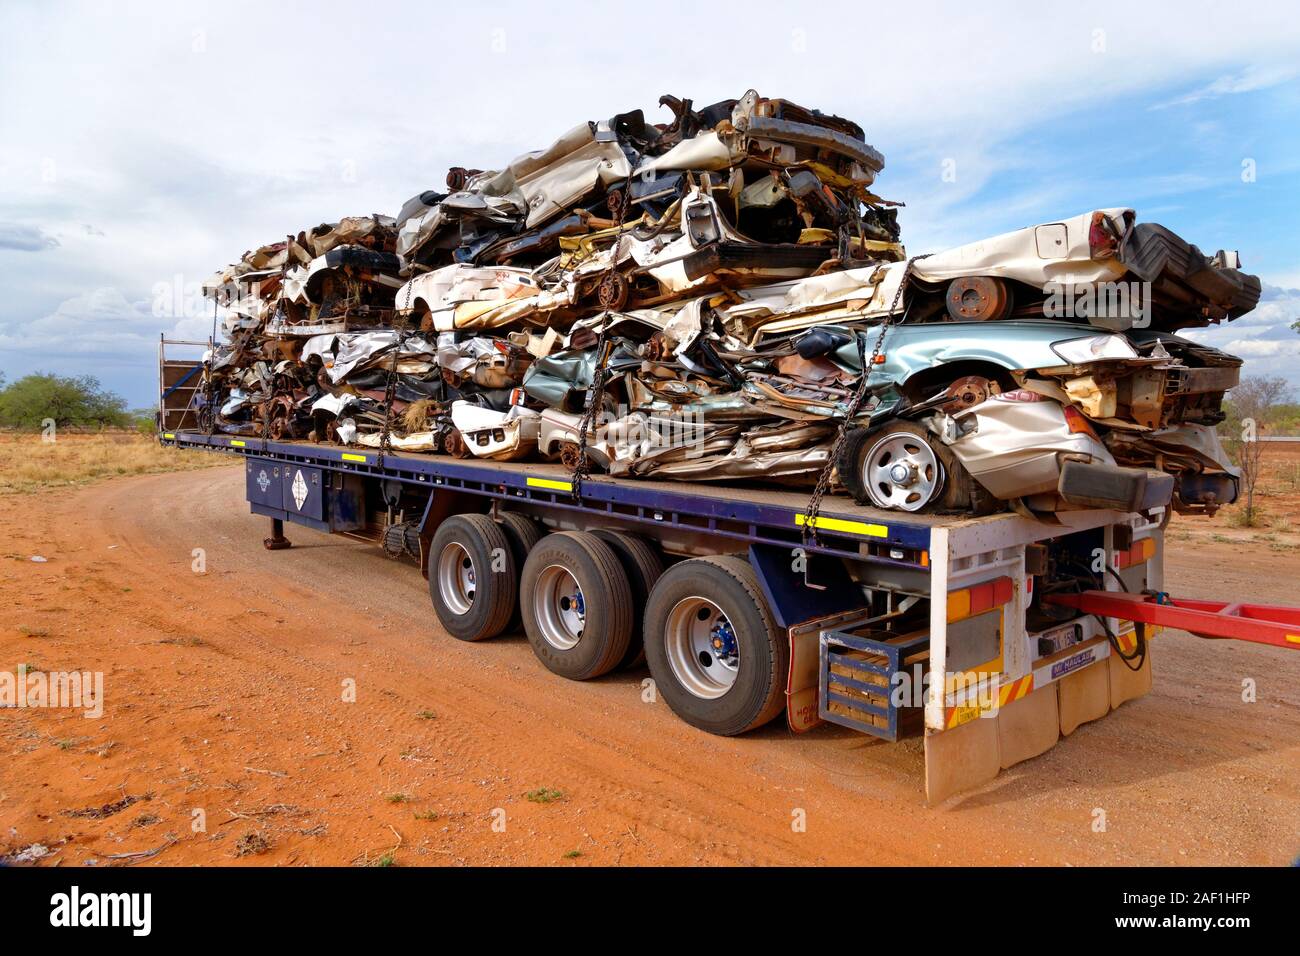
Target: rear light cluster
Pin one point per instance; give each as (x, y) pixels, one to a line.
(1076, 422)
(1102, 241)
(978, 598)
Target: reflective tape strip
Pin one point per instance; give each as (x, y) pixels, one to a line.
(236, 443)
(168, 435)
(839, 524)
(1007, 693)
(1015, 690)
(1293, 638)
(350, 457)
(550, 484)
(956, 716)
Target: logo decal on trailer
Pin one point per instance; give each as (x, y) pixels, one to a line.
(299, 489)
(1061, 668)
(263, 481)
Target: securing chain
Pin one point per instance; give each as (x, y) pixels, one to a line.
(270, 385)
(266, 413)
(210, 389)
(390, 389)
(582, 466)
(854, 406)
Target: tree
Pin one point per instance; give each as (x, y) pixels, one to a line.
(71, 401)
(1255, 403)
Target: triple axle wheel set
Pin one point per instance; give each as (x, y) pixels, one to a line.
(591, 602)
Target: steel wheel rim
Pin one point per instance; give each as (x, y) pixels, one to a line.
(456, 578)
(559, 607)
(901, 472)
(702, 648)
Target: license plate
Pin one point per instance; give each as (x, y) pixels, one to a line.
(1057, 639)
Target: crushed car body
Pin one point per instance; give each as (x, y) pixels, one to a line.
(723, 297)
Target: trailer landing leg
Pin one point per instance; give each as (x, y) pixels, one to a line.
(277, 541)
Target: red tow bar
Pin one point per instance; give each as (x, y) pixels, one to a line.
(1275, 624)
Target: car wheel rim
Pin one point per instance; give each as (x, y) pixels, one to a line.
(559, 607)
(456, 578)
(702, 648)
(902, 472)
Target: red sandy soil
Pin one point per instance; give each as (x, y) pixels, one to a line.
(224, 693)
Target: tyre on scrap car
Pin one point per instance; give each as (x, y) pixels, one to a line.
(713, 647)
(643, 565)
(473, 580)
(523, 534)
(899, 466)
(576, 604)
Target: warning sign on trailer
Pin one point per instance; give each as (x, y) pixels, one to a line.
(299, 489)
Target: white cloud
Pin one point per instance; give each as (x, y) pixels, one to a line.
(100, 323)
(22, 238)
(1258, 77)
(273, 117)
(1263, 337)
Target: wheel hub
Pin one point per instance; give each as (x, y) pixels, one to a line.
(559, 607)
(723, 639)
(456, 578)
(903, 473)
(702, 648)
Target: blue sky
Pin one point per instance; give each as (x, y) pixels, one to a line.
(143, 146)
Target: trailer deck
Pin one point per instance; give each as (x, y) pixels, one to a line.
(747, 512)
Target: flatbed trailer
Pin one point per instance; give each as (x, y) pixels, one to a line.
(868, 611)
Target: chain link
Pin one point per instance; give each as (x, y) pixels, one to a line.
(390, 389)
(854, 406)
(266, 413)
(582, 467)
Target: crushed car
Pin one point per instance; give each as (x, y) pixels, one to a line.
(723, 297)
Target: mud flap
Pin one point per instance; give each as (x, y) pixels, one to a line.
(961, 758)
(1126, 683)
(971, 754)
(1084, 697)
(1028, 727)
(801, 685)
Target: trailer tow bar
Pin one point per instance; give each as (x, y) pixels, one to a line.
(1275, 624)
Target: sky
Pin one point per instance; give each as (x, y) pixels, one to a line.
(144, 146)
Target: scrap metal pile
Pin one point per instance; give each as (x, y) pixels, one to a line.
(699, 299)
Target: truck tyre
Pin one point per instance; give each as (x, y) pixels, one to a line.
(473, 580)
(523, 534)
(714, 650)
(576, 604)
(642, 564)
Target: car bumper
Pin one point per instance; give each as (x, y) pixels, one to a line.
(1113, 487)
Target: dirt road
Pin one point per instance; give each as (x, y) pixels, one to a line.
(225, 706)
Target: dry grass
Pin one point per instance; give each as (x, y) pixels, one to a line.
(28, 464)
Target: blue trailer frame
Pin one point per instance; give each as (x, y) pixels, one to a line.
(863, 569)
